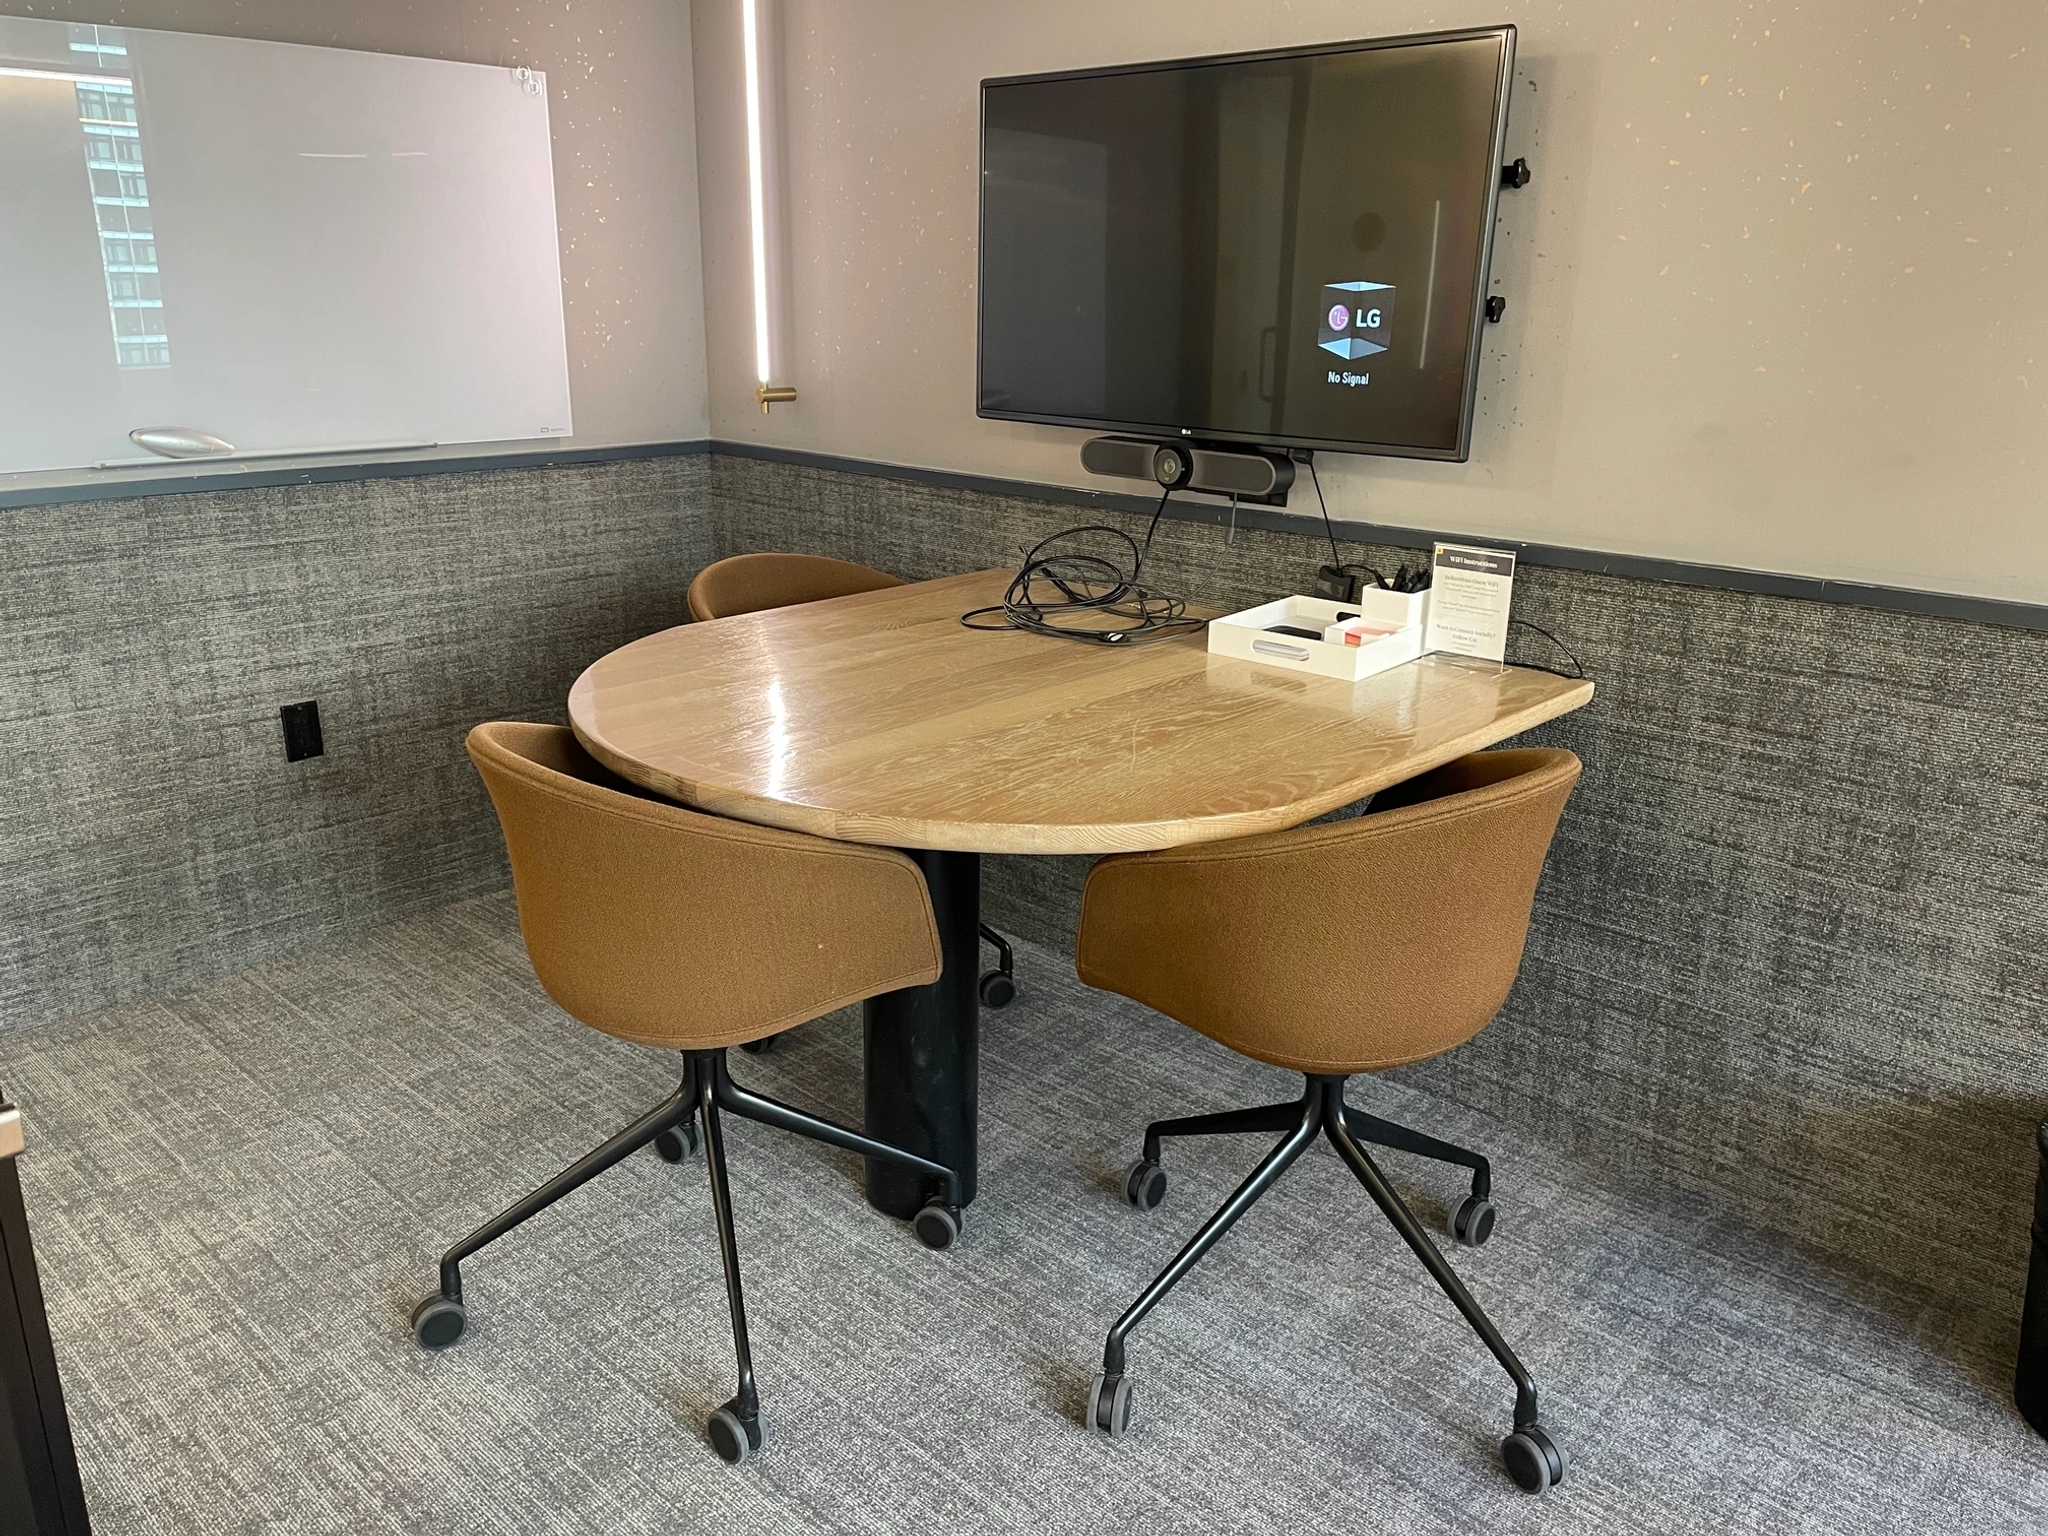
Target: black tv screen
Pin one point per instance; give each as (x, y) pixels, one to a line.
(1284, 249)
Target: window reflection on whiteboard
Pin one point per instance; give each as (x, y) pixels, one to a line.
(120, 200)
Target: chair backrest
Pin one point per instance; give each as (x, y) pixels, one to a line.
(749, 583)
(672, 928)
(1343, 946)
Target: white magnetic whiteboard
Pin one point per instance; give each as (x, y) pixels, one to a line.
(285, 247)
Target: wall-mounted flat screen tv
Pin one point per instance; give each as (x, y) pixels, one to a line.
(1284, 249)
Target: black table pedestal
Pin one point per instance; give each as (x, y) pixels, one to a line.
(2030, 1386)
(924, 1049)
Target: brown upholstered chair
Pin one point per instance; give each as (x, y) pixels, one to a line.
(1330, 950)
(691, 933)
(750, 583)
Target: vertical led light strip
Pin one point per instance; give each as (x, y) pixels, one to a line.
(757, 191)
(757, 207)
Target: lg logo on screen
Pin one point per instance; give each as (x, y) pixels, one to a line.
(1358, 319)
(1340, 319)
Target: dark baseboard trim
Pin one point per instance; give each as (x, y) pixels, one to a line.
(117, 485)
(1940, 605)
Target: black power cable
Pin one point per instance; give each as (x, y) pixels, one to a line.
(1082, 594)
(1336, 560)
(1578, 670)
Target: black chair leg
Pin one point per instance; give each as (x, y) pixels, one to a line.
(1385, 1133)
(448, 1322)
(1231, 1122)
(937, 1225)
(998, 988)
(734, 1428)
(1404, 1222)
(1109, 1404)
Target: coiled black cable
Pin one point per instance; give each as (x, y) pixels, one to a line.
(1083, 594)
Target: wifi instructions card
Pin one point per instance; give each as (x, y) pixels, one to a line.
(1470, 591)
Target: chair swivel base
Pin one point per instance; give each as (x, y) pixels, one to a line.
(735, 1428)
(1532, 1457)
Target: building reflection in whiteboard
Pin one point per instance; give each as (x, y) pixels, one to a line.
(120, 200)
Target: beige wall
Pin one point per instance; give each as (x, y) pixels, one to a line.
(1776, 295)
(621, 109)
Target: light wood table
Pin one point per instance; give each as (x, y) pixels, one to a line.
(879, 718)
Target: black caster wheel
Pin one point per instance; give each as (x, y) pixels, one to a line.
(1144, 1184)
(678, 1145)
(1534, 1460)
(937, 1225)
(734, 1437)
(760, 1047)
(438, 1322)
(1472, 1224)
(1109, 1406)
(997, 988)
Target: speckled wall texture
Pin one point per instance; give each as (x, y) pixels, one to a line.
(1790, 949)
(152, 834)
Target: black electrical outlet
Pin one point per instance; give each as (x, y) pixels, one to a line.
(302, 731)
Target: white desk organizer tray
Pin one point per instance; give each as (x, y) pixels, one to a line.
(1248, 635)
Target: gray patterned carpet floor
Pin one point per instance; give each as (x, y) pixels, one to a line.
(238, 1194)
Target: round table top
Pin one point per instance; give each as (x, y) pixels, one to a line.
(880, 718)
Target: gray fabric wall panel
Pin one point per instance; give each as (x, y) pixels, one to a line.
(153, 835)
(1789, 950)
